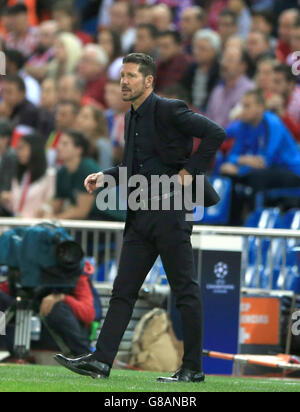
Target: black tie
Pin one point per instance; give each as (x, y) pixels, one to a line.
(130, 153)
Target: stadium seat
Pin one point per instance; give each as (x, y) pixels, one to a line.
(255, 271)
(218, 214)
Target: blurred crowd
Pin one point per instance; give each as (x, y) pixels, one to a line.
(61, 112)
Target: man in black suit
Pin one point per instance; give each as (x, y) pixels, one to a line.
(159, 135)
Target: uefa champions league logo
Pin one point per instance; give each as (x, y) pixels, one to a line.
(221, 270)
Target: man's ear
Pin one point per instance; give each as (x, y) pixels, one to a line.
(149, 81)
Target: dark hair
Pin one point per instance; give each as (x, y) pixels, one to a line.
(19, 8)
(146, 63)
(176, 36)
(116, 40)
(151, 29)
(6, 129)
(231, 14)
(16, 57)
(17, 80)
(286, 71)
(65, 8)
(266, 15)
(79, 140)
(37, 165)
(258, 94)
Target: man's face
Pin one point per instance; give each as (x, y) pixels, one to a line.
(133, 83)
(256, 45)
(20, 22)
(88, 67)
(67, 90)
(168, 48)
(47, 35)
(295, 39)
(145, 43)
(66, 150)
(203, 52)
(190, 23)
(120, 19)
(280, 85)
(260, 24)
(286, 24)
(65, 117)
(63, 20)
(252, 110)
(12, 96)
(232, 66)
(227, 28)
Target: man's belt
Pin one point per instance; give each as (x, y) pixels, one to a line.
(165, 196)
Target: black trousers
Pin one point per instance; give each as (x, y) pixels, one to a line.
(149, 234)
(258, 180)
(61, 320)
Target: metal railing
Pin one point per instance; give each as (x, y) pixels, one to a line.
(103, 242)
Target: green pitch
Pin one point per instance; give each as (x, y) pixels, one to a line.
(56, 379)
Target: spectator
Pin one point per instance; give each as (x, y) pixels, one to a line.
(264, 22)
(92, 69)
(49, 95)
(257, 46)
(287, 21)
(115, 114)
(66, 19)
(162, 18)
(244, 16)
(143, 14)
(227, 95)
(67, 53)
(111, 43)
(37, 65)
(21, 35)
(228, 25)
(235, 42)
(92, 122)
(172, 61)
(146, 40)
(257, 159)
(72, 88)
(23, 114)
(284, 86)
(295, 46)
(202, 76)
(264, 76)
(14, 66)
(69, 315)
(33, 185)
(8, 160)
(192, 20)
(71, 200)
(122, 15)
(65, 118)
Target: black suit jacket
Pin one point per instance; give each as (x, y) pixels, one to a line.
(176, 127)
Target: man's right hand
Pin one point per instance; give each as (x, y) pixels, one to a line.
(93, 182)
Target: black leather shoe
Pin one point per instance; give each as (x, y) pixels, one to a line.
(86, 366)
(184, 375)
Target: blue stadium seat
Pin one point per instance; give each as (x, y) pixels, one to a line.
(255, 273)
(290, 278)
(218, 214)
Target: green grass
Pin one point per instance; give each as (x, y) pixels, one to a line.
(55, 379)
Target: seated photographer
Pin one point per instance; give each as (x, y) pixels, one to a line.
(69, 316)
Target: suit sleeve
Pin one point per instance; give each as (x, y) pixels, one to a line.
(196, 125)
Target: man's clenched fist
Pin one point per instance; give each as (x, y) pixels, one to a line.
(93, 182)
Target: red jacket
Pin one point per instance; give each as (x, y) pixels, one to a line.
(81, 301)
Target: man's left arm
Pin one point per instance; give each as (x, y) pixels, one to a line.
(194, 124)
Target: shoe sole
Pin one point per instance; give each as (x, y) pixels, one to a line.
(79, 371)
(174, 380)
